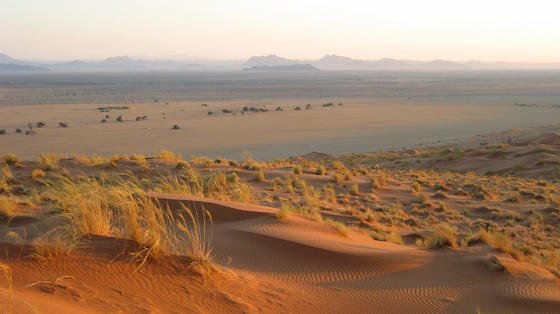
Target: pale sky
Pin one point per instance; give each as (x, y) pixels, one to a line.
(484, 30)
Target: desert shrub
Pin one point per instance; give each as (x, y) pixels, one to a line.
(253, 165)
(497, 240)
(338, 178)
(83, 204)
(196, 225)
(11, 159)
(276, 184)
(82, 159)
(338, 165)
(219, 187)
(329, 193)
(168, 155)
(321, 170)
(6, 173)
(338, 226)
(514, 198)
(122, 208)
(289, 185)
(394, 237)
(354, 190)
(38, 173)
(7, 206)
(283, 213)
(188, 184)
(415, 186)
(297, 169)
(440, 195)
(442, 235)
(140, 161)
(259, 176)
(288, 207)
(52, 244)
(97, 160)
(49, 161)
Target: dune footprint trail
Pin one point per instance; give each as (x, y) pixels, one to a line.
(333, 273)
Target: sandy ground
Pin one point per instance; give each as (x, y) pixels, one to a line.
(293, 265)
(357, 126)
(382, 110)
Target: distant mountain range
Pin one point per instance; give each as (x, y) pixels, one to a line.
(271, 63)
(282, 68)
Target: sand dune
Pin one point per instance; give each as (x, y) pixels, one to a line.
(271, 265)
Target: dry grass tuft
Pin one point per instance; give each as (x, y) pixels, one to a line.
(169, 156)
(338, 226)
(8, 206)
(442, 235)
(38, 173)
(50, 161)
(11, 159)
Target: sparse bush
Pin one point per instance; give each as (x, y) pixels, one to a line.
(259, 176)
(11, 159)
(354, 190)
(442, 235)
(415, 186)
(338, 178)
(338, 226)
(321, 170)
(394, 237)
(297, 170)
(38, 173)
(82, 159)
(50, 161)
(329, 193)
(168, 155)
(7, 206)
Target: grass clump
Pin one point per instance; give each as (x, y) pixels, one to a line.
(288, 207)
(259, 176)
(8, 207)
(442, 235)
(321, 170)
(168, 155)
(329, 193)
(11, 159)
(50, 161)
(341, 228)
(354, 190)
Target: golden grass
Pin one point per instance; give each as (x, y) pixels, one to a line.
(120, 207)
(8, 206)
(288, 207)
(83, 203)
(6, 276)
(38, 173)
(196, 225)
(168, 155)
(6, 173)
(11, 159)
(54, 243)
(259, 176)
(50, 161)
(354, 190)
(341, 228)
(329, 193)
(442, 235)
(82, 159)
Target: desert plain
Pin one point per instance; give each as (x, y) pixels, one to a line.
(392, 192)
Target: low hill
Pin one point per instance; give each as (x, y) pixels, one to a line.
(283, 68)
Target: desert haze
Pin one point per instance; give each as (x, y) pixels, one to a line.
(279, 157)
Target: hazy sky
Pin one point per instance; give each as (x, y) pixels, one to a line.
(483, 30)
